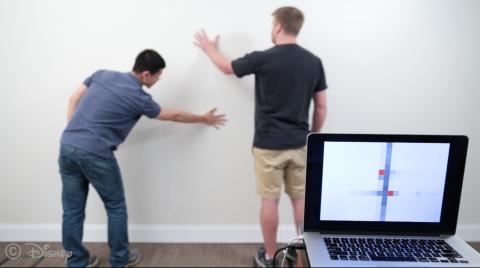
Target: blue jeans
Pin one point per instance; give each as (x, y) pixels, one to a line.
(78, 169)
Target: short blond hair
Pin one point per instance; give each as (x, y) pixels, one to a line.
(291, 19)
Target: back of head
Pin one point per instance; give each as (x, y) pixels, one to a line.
(291, 19)
(149, 60)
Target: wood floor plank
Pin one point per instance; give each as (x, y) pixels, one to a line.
(52, 261)
(181, 255)
(155, 254)
(18, 255)
(475, 245)
(3, 258)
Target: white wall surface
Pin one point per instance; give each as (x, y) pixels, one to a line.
(400, 66)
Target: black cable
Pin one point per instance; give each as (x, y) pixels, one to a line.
(298, 246)
(275, 255)
(294, 246)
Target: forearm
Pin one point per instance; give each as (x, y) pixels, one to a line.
(186, 117)
(74, 100)
(72, 106)
(209, 118)
(223, 63)
(319, 116)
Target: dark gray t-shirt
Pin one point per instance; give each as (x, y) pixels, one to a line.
(109, 109)
(286, 78)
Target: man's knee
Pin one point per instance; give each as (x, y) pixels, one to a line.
(116, 207)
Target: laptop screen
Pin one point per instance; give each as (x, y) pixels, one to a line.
(380, 181)
(403, 184)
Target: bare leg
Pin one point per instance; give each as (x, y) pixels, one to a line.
(298, 205)
(269, 223)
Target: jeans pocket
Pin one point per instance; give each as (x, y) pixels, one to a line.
(67, 163)
(98, 166)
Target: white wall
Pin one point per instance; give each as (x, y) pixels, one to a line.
(401, 66)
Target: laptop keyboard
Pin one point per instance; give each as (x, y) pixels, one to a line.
(405, 250)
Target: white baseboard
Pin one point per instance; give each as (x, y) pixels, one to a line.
(172, 233)
(147, 233)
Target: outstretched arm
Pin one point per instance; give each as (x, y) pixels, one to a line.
(209, 118)
(319, 111)
(211, 48)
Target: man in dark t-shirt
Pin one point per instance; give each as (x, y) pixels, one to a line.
(101, 113)
(287, 78)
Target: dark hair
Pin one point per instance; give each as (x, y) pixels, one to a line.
(149, 60)
(291, 19)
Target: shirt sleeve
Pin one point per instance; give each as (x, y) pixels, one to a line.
(245, 65)
(321, 83)
(151, 108)
(88, 81)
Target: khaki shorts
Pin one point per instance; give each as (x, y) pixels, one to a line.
(275, 167)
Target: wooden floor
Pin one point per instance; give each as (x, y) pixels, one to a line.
(180, 255)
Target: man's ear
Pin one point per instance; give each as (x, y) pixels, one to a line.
(146, 74)
(278, 28)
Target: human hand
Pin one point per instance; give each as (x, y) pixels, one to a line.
(212, 119)
(203, 42)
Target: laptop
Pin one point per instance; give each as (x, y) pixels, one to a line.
(385, 200)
